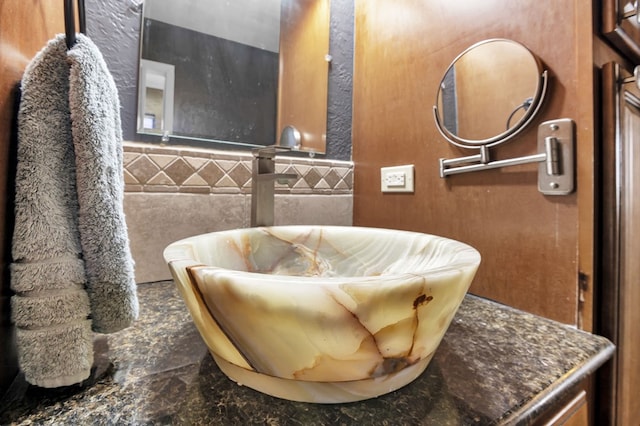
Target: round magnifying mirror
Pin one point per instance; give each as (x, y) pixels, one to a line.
(489, 93)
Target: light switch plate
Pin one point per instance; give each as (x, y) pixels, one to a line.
(397, 178)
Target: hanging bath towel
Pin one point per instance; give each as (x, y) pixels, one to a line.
(97, 140)
(72, 269)
(50, 308)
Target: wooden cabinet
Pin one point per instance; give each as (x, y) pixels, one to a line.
(573, 411)
(618, 317)
(620, 281)
(620, 26)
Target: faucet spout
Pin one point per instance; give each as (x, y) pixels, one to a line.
(263, 178)
(281, 178)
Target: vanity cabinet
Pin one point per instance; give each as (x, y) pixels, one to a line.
(574, 411)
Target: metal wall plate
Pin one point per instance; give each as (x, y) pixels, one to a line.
(563, 181)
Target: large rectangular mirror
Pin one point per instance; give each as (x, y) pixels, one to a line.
(235, 72)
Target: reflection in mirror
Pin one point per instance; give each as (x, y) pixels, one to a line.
(237, 67)
(290, 137)
(489, 93)
(304, 70)
(155, 114)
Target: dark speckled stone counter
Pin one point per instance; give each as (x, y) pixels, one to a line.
(496, 365)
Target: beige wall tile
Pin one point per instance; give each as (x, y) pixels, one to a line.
(314, 210)
(155, 220)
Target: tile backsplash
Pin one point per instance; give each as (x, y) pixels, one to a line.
(176, 192)
(158, 169)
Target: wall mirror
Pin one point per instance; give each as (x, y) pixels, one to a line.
(236, 73)
(489, 93)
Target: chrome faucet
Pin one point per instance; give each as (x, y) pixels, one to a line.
(263, 177)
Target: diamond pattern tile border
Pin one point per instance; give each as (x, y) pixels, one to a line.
(151, 168)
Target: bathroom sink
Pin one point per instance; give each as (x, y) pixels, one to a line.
(321, 313)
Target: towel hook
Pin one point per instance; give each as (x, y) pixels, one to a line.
(70, 22)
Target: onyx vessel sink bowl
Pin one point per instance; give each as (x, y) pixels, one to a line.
(320, 313)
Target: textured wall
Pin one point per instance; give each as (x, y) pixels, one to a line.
(115, 25)
(341, 44)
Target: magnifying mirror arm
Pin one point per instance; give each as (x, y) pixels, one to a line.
(446, 170)
(556, 143)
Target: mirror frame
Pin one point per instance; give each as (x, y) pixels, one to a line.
(530, 114)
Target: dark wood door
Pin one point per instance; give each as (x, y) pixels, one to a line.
(620, 283)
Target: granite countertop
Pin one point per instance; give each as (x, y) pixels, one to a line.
(496, 365)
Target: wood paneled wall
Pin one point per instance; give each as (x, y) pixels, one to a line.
(25, 27)
(537, 250)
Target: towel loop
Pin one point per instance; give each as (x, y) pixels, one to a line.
(70, 22)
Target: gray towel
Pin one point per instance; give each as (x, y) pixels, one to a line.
(97, 138)
(71, 262)
(51, 307)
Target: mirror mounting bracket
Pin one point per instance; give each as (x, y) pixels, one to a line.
(556, 146)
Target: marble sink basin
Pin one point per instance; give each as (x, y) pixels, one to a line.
(320, 313)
